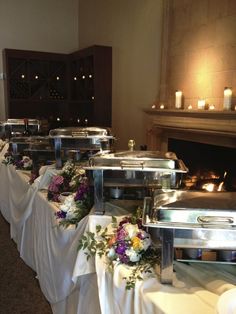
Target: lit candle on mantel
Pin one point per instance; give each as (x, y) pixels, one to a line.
(201, 103)
(227, 98)
(178, 99)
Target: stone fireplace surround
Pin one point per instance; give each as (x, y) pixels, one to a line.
(207, 127)
(218, 129)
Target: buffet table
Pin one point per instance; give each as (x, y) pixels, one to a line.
(70, 282)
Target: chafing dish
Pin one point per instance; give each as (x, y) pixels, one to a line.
(79, 140)
(16, 127)
(190, 220)
(137, 172)
(40, 150)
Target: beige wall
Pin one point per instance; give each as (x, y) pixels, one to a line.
(45, 25)
(202, 50)
(133, 29)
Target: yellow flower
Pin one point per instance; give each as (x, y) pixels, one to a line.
(136, 243)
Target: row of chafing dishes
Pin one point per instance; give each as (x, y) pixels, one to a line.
(175, 218)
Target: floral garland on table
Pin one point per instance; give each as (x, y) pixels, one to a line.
(68, 180)
(75, 206)
(22, 163)
(128, 244)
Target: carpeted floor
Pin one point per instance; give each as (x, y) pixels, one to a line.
(19, 289)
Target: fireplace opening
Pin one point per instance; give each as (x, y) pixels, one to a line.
(211, 167)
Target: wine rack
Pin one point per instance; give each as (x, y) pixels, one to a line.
(74, 89)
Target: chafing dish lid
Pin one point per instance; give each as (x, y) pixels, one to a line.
(136, 160)
(21, 122)
(81, 132)
(194, 208)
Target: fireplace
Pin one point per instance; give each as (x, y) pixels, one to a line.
(211, 167)
(205, 141)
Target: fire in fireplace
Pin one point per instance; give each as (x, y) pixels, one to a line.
(211, 167)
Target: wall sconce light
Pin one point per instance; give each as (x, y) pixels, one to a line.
(201, 103)
(178, 99)
(227, 98)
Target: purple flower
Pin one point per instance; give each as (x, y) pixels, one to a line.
(58, 180)
(121, 234)
(81, 192)
(60, 214)
(121, 247)
(124, 259)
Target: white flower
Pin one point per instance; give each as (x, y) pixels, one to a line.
(68, 204)
(111, 253)
(146, 243)
(133, 256)
(27, 162)
(131, 229)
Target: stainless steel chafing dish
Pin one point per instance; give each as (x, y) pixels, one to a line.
(190, 220)
(39, 149)
(16, 127)
(79, 140)
(136, 172)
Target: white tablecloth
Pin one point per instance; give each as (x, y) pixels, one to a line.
(74, 286)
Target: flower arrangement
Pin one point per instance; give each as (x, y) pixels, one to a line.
(76, 206)
(23, 163)
(68, 179)
(128, 243)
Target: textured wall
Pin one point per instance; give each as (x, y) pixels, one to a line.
(201, 57)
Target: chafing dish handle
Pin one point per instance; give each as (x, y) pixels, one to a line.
(79, 134)
(215, 219)
(129, 164)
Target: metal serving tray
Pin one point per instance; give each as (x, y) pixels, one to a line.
(80, 139)
(146, 169)
(16, 127)
(138, 160)
(193, 209)
(190, 219)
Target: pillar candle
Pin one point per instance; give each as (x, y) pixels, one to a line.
(227, 98)
(201, 103)
(178, 99)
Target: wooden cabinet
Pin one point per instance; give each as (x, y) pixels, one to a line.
(66, 89)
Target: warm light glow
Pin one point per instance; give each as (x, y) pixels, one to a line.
(90, 76)
(211, 107)
(75, 78)
(83, 77)
(190, 107)
(93, 97)
(162, 106)
(227, 98)
(178, 99)
(153, 106)
(58, 78)
(209, 187)
(201, 103)
(36, 77)
(58, 119)
(22, 76)
(78, 120)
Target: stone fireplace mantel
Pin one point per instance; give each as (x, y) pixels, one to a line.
(209, 127)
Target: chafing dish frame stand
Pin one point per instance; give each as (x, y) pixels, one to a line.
(167, 255)
(98, 192)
